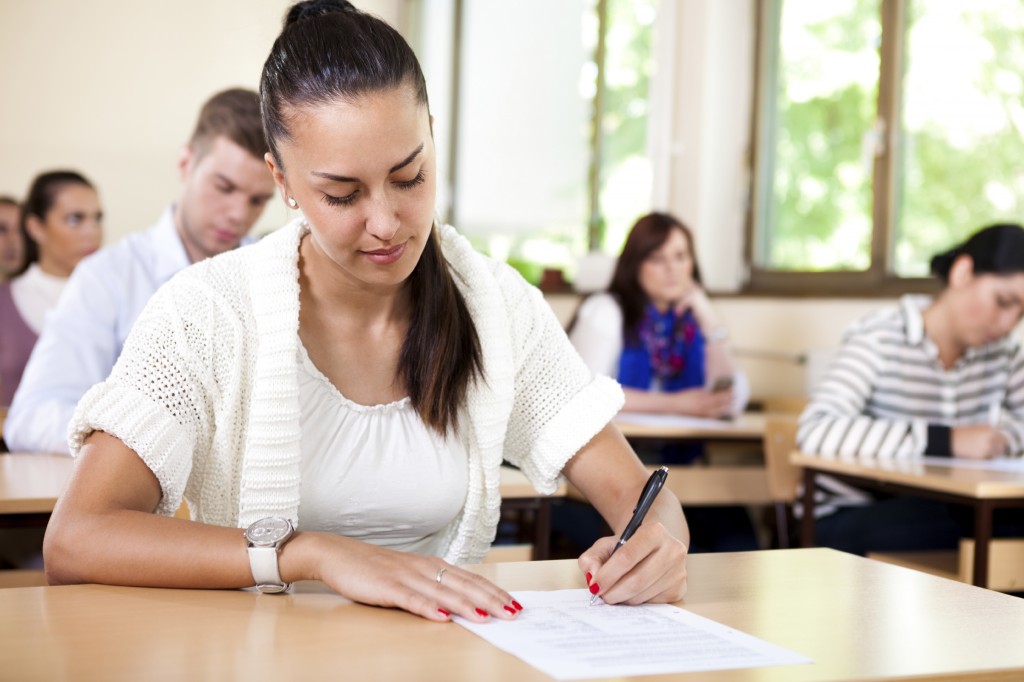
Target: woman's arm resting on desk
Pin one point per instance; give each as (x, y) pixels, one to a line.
(103, 531)
(651, 566)
(694, 402)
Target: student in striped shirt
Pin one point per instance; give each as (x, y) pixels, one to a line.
(937, 376)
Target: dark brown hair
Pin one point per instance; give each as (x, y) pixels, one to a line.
(42, 194)
(330, 51)
(646, 236)
(235, 114)
(995, 250)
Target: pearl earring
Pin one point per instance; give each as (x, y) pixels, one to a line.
(292, 203)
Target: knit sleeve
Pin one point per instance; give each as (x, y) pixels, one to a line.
(834, 423)
(559, 403)
(159, 398)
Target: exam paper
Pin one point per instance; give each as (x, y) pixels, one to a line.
(561, 635)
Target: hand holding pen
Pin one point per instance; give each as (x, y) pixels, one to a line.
(647, 495)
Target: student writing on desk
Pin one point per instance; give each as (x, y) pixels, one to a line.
(931, 376)
(657, 333)
(361, 373)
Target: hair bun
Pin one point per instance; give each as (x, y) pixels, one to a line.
(309, 9)
(943, 262)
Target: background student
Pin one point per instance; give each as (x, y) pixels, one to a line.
(656, 332)
(361, 372)
(12, 244)
(62, 223)
(225, 186)
(932, 376)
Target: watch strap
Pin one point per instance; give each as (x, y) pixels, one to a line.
(263, 563)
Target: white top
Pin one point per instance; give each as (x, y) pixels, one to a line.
(35, 294)
(206, 390)
(86, 331)
(597, 337)
(419, 479)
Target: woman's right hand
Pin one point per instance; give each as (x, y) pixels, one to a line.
(977, 441)
(700, 402)
(383, 577)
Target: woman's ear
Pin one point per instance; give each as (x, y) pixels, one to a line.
(961, 273)
(278, 174)
(35, 229)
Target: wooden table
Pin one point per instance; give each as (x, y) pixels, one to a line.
(858, 619)
(746, 427)
(31, 483)
(982, 490)
(518, 495)
(29, 487)
(715, 484)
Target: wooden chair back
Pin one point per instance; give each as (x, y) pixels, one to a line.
(783, 476)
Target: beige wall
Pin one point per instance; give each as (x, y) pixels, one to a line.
(112, 87)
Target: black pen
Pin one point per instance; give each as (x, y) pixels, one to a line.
(643, 505)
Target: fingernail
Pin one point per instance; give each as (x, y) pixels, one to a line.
(444, 613)
(589, 577)
(482, 613)
(510, 609)
(519, 607)
(594, 588)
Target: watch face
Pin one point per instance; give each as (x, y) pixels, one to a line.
(268, 532)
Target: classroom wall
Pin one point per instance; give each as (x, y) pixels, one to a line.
(112, 88)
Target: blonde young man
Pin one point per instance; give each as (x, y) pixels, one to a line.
(225, 186)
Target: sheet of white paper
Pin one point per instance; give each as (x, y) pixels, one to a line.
(998, 464)
(561, 635)
(646, 419)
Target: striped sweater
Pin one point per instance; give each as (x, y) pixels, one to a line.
(886, 395)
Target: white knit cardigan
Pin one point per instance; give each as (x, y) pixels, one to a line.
(206, 389)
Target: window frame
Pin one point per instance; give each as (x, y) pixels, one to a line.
(879, 279)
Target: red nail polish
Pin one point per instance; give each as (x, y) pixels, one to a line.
(483, 613)
(510, 610)
(589, 577)
(594, 588)
(444, 613)
(519, 607)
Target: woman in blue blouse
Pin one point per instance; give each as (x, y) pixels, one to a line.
(656, 332)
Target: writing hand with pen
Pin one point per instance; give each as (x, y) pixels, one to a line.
(650, 568)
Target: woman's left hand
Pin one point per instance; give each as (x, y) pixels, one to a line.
(649, 568)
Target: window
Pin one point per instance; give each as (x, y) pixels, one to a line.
(886, 132)
(547, 109)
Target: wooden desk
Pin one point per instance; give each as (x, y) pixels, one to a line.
(746, 427)
(31, 483)
(858, 619)
(29, 487)
(982, 490)
(518, 495)
(703, 485)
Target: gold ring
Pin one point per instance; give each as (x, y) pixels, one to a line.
(440, 574)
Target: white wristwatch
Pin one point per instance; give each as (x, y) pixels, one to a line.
(265, 539)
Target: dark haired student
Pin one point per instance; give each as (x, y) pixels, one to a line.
(346, 389)
(931, 376)
(61, 223)
(225, 186)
